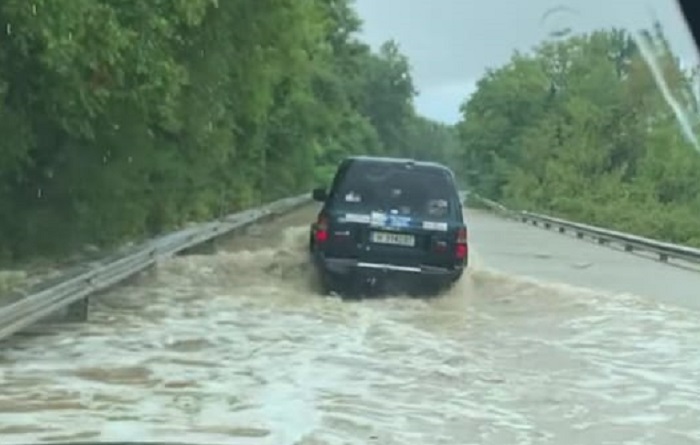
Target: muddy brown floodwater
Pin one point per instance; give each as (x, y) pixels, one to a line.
(238, 348)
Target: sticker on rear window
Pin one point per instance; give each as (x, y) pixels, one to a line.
(355, 218)
(378, 218)
(353, 197)
(437, 207)
(431, 225)
(399, 221)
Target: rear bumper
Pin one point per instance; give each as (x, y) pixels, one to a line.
(342, 266)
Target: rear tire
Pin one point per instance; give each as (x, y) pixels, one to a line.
(439, 286)
(331, 283)
(344, 286)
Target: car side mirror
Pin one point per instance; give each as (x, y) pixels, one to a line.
(319, 194)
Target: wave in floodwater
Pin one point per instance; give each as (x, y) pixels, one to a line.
(238, 347)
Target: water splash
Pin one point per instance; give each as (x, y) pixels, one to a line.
(238, 347)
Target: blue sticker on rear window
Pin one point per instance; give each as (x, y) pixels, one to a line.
(399, 221)
(379, 219)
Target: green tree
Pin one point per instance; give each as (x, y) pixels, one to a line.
(124, 119)
(579, 128)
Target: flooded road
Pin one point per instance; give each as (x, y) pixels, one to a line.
(237, 348)
(524, 250)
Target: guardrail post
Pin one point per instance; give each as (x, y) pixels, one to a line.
(663, 257)
(78, 311)
(208, 247)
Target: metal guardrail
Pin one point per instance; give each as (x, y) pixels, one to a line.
(627, 241)
(32, 308)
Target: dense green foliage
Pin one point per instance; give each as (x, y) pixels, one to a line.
(123, 119)
(579, 128)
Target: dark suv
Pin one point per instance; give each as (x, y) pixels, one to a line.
(388, 221)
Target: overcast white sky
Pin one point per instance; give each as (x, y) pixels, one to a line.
(450, 43)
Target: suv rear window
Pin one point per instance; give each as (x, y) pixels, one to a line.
(412, 191)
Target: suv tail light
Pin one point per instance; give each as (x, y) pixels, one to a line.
(321, 231)
(461, 249)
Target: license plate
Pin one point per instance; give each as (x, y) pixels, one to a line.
(398, 239)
